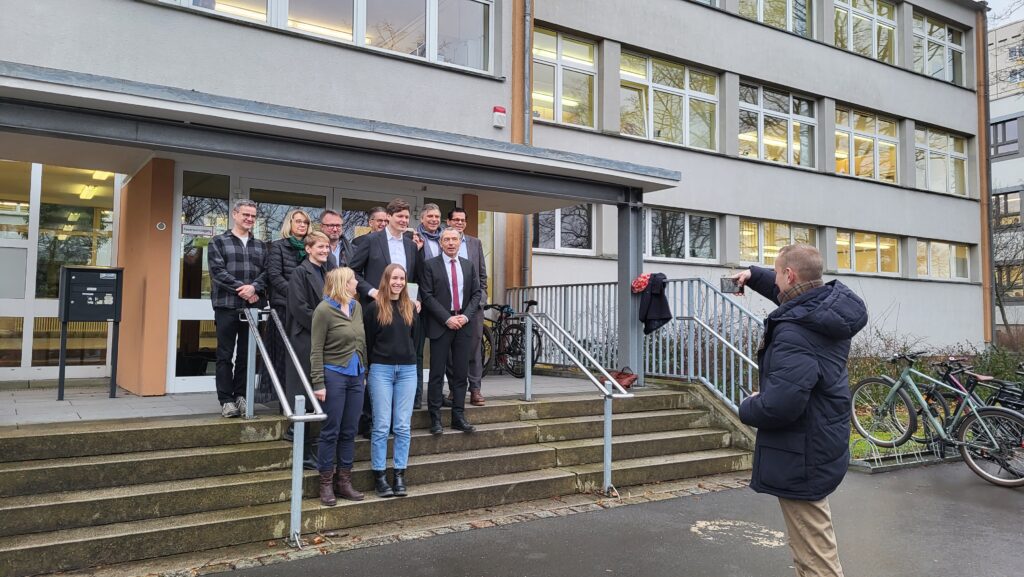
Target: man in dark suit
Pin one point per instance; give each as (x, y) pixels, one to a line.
(341, 249)
(472, 250)
(450, 290)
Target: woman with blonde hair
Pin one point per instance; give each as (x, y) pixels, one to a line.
(389, 323)
(286, 253)
(337, 365)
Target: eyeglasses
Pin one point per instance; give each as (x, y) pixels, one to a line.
(330, 226)
(247, 215)
(300, 221)
(457, 219)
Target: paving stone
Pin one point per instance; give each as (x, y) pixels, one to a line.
(481, 524)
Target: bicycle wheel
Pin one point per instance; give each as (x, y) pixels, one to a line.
(513, 348)
(993, 445)
(487, 350)
(939, 409)
(883, 424)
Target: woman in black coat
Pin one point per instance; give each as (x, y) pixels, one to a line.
(305, 291)
(285, 254)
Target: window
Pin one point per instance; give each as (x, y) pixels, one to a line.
(204, 213)
(565, 229)
(679, 235)
(792, 15)
(867, 252)
(941, 160)
(870, 141)
(15, 181)
(1015, 75)
(1006, 208)
(776, 126)
(942, 260)
(1004, 137)
(454, 32)
(668, 102)
(760, 242)
(1010, 281)
(1016, 52)
(938, 49)
(564, 75)
(867, 27)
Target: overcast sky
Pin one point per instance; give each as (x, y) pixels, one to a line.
(997, 7)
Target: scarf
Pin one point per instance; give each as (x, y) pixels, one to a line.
(299, 245)
(799, 289)
(433, 236)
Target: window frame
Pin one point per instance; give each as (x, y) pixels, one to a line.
(851, 133)
(876, 20)
(921, 34)
(878, 253)
(950, 154)
(559, 249)
(559, 66)
(790, 118)
(648, 236)
(761, 242)
(811, 31)
(648, 86)
(952, 260)
(277, 18)
(997, 138)
(1004, 218)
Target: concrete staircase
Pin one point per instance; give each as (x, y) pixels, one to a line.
(86, 494)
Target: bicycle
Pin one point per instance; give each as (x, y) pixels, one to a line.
(885, 412)
(504, 343)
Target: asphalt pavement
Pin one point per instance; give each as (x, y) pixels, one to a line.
(933, 521)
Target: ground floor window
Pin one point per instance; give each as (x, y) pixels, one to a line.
(942, 260)
(680, 235)
(867, 252)
(570, 229)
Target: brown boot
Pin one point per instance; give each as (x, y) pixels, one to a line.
(343, 486)
(326, 492)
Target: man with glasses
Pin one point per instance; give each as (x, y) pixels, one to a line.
(378, 216)
(237, 261)
(472, 250)
(341, 248)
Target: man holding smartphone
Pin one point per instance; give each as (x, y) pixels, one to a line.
(802, 407)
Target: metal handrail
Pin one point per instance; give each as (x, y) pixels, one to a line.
(621, 394)
(252, 316)
(723, 340)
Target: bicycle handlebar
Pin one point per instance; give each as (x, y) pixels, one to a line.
(909, 357)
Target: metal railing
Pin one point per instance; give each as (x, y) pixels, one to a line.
(609, 387)
(713, 339)
(297, 416)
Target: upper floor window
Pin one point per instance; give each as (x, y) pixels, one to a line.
(667, 101)
(1006, 208)
(792, 15)
(776, 126)
(867, 27)
(1004, 137)
(761, 241)
(941, 160)
(564, 75)
(679, 235)
(454, 32)
(867, 252)
(1016, 52)
(938, 49)
(942, 260)
(568, 229)
(870, 141)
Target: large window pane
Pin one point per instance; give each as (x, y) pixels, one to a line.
(805, 235)
(919, 55)
(204, 213)
(803, 144)
(76, 223)
(748, 134)
(577, 98)
(802, 12)
(702, 124)
(922, 258)
(668, 233)
(776, 236)
(843, 260)
(776, 139)
(889, 254)
(544, 229)
(543, 91)
(11, 331)
(940, 260)
(577, 51)
(840, 21)
(960, 260)
(399, 25)
(775, 100)
(921, 165)
(937, 172)
(255, 9)
(87, 343)
(702, 237)
(842, 153)
(748, 9)
(865, 252)
(956, 66)
(273, 205)
(886, 44)
(633, 111)
(862, 33)
(15, 180)
(937, 60)
(958, 177)
(331, 19)
(668, 117)
(576, 227)
(864, 157)
(668, 74)
(775, 13)
(886, 161)
(463, 33)
(748, 241)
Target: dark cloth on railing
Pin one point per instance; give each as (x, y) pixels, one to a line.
(654, 309)
(802, 410)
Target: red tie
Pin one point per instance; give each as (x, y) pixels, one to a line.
(456, 301)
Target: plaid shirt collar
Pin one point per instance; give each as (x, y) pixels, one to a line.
(799, 289)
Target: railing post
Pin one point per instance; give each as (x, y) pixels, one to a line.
(250, 363)
(528, 358)
(691, 312)
(607, 487)
(298, 441)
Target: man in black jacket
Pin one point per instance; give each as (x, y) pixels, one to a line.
(802, 408)
(450, 292)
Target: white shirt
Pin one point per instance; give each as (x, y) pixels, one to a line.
(463, 252)
(336, 251)
(396, 248)
(459, 279)
(433, 248)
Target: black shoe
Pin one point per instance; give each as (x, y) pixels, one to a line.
(435, 426)
(446, 401)
(289, 433)
(417, 405)
(310, 463)
(380, 484)
(399, 484)
(462, 425)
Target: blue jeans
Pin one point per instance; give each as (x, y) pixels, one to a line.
(392, 388)
(343, 403)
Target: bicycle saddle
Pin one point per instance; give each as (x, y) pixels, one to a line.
(980, 378)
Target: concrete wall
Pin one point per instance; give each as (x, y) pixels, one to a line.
(169, 46)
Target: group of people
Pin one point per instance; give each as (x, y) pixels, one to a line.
(357, 315)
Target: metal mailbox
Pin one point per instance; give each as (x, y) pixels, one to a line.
(90, 293)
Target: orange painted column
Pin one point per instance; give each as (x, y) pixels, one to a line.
(145, 251)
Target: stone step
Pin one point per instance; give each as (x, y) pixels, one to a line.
(662, 468)
(583, 451)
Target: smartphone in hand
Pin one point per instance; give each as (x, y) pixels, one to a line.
(729, 285)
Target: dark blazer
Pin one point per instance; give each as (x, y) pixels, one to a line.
(281, 262)
(305, 291)
(475, 252)
(346, 253)
(436, 293)
(802, 410)
(372, 257)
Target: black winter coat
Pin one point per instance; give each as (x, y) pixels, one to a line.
(282, 261)
(306, 291)
(654, 309)
(802, 412)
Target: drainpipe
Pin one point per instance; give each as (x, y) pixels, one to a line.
(527, 119)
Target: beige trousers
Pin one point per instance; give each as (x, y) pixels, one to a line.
(811, 537)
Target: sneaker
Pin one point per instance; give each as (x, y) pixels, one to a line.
(229, 410)
(240, 402)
